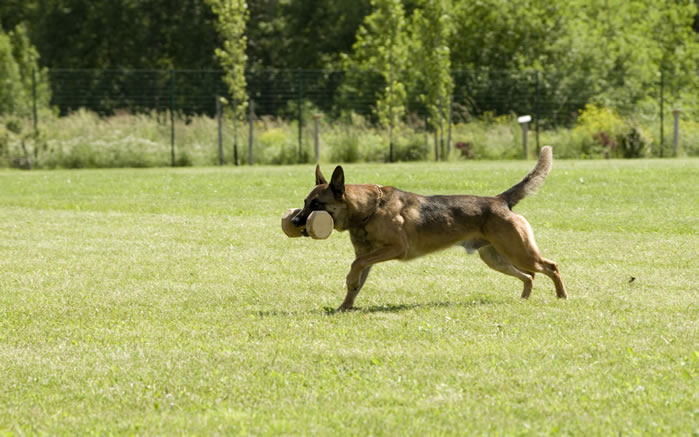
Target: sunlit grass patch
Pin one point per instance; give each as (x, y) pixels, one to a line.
(169, 301)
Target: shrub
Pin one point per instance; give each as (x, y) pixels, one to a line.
(689, 137)
(633, 143)
(345, 148)
(411, 148)
(598, 129)
(493, 138)
(84, 139)
(277, 146)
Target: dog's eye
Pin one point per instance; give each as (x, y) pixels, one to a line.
(316, 205)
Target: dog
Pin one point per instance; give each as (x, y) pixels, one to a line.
(386, 223)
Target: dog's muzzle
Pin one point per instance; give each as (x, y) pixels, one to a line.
(299, 220)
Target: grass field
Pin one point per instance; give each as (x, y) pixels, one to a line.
(168, 301)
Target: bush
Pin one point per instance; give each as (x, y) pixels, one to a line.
(492, 138)
(345, 148)
(411, 148)
(599, 128)
(355, 140)
(277, 146)
(633, 144)
(601, 132)
(689, 137)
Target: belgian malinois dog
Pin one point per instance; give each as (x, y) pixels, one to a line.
(386, 223)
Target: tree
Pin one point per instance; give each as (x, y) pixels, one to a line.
(317, 31)
(24, 90)
(431, 29)
(119, 34)
(677, 51)
(382, 46)
(34, 80)
(606, 51)
(622, 45)
(232, 16)
(20, 77)
(11, 92)
(498, 49)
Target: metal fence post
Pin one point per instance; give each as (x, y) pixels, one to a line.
(440, 127)
(449, 120)
(427, 136)
(316, 133)
(300, 109)
(251, 117)
(536, 112)
(676, 134)
(235, 132)
(524, 123)
(436, 145)
(172, 118)
(662, 110)
(220, 135)
(34, 112)
(524, 138)
(390, 140)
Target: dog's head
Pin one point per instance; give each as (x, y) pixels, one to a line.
(327, 197)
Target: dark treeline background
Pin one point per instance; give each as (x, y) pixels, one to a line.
(568, 53)
(181, 34)
(281, 34)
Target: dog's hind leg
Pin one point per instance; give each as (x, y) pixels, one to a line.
(550, 269)
(515, 241)
(537, 263)
(498, 262)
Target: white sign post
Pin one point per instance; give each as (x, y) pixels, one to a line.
(524, 123)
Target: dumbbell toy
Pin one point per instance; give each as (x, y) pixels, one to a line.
(319, 224)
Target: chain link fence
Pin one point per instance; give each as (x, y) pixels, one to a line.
(177, 98)
(280, 93)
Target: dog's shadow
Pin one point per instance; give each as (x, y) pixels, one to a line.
(384, 308)
(397, 308)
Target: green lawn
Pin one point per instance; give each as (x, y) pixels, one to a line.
(168, 301)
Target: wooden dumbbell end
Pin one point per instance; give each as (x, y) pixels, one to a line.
(289, 229)
(319, 225)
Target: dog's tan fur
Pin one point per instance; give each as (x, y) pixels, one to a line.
(386, 223)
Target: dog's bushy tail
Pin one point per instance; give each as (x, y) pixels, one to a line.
(532, 181)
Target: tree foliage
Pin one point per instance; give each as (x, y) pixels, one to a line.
(10, 80)
(20, 75)
(303, 33)
(232, 16)
(382, 46)
(431, 29)
(609, 52)
(117, 33)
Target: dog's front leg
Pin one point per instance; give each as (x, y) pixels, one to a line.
(353, 290)
(360, 270)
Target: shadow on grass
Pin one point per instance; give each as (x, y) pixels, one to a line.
(385, 308)
(396, 308)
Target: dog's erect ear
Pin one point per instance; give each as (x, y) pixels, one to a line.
(320, 179)
(337, 181)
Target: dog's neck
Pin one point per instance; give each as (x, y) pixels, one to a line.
(362, 201)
